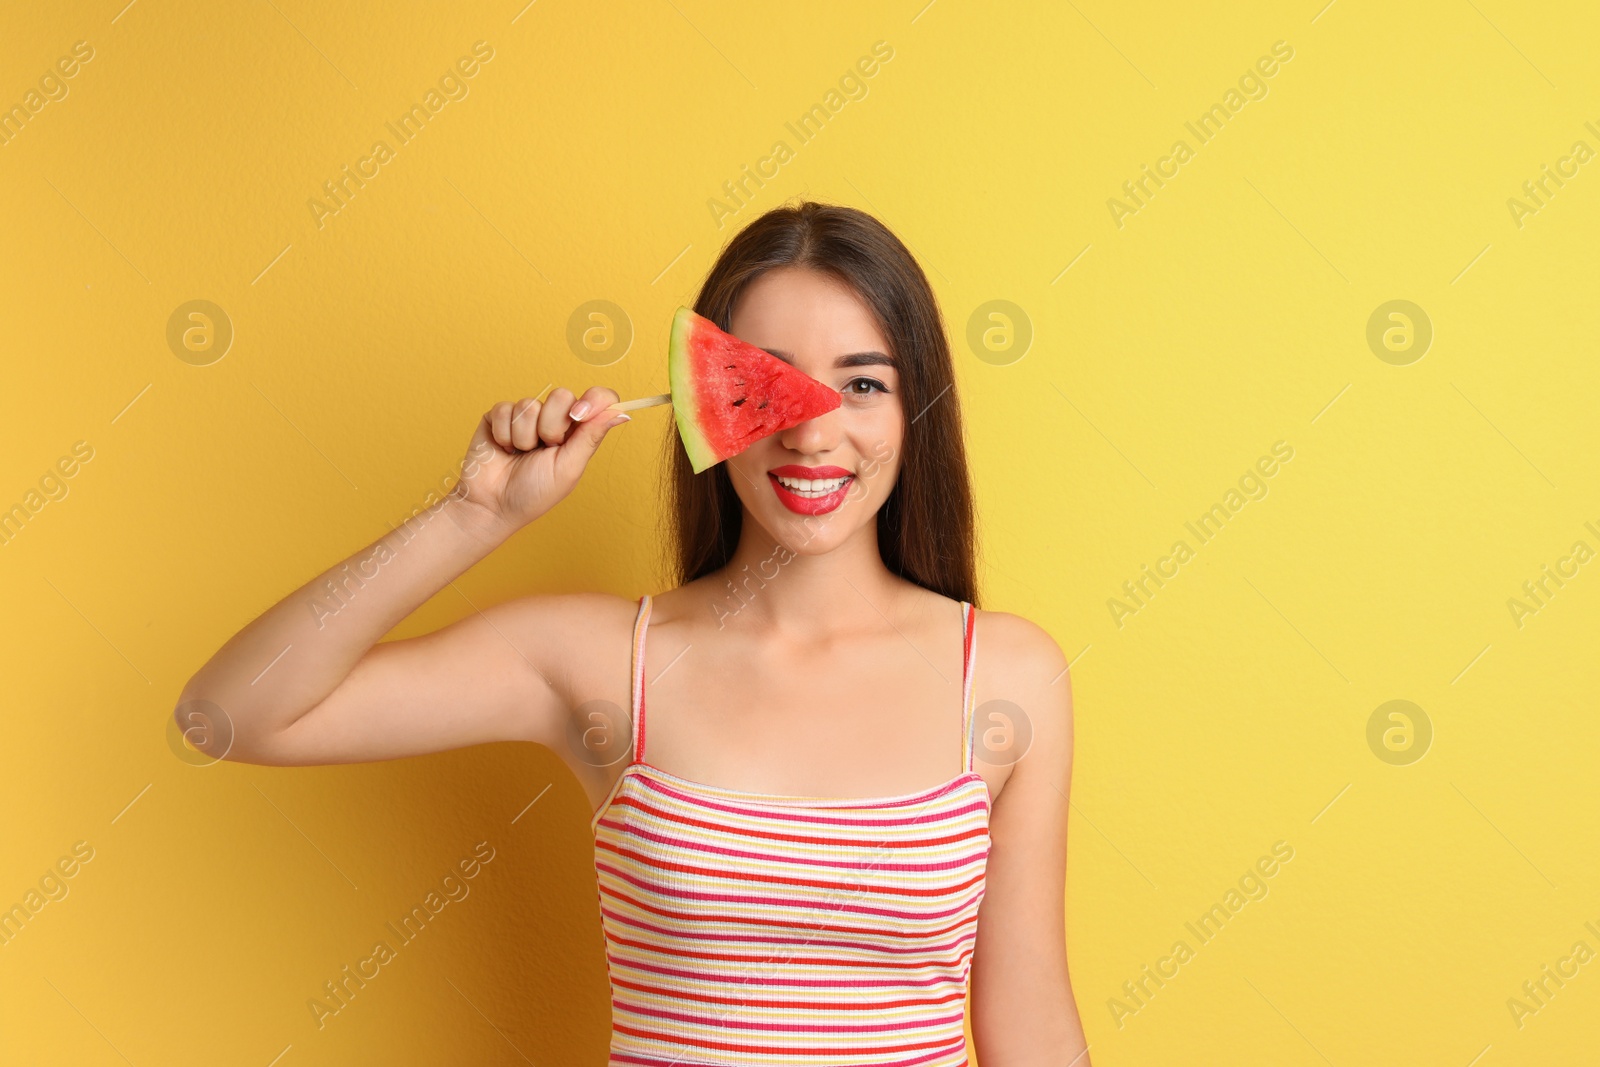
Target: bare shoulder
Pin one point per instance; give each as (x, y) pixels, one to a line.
(1023, 696)
(585, 615)
(1018, 651)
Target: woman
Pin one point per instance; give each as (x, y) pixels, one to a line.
(792, 865)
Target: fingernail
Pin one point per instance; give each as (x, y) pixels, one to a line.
(579, 410)
(621, 418)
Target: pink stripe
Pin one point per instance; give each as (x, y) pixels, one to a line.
(641, 1060)
(768, 922)
(845, 971)
(675, 947)
(826, 837)
(780, 902)
(969, 620)
(639, 624)
(786, 1051)
(772, 939)
(669, 866)
(835, 986)
(860, 865)
(915, 820)
(952, 1047)
(792, 1028)
(855, 1003)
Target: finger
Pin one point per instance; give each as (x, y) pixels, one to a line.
(594, 401)
(553, 421)
(500, 424)
(574, 456)
(525, 424)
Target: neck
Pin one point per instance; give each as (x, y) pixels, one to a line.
(783, 587)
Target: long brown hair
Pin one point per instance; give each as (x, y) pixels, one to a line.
(925, 527)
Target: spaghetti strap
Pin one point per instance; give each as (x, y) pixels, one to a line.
(969, 650)
(640, 625)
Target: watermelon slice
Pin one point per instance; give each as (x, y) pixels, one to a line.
(728, 394)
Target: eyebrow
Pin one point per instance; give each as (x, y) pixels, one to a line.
(854, 359)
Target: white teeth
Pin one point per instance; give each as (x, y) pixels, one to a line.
(811, 486)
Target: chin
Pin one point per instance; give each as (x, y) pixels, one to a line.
(812, 535)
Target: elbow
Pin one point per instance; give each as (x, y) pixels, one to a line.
(202, 732)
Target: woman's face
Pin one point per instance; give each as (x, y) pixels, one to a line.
(816, 484)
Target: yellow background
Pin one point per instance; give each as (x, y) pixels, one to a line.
(1229, 313)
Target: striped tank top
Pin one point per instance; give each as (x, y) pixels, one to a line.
(753, 928)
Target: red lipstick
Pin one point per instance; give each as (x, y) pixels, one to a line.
(807, 500)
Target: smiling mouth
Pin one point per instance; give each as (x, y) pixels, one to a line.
(811, 495)
(812, 488)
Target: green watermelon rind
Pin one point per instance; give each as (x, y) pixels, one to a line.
(685, 398)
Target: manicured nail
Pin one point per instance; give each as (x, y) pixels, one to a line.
(619, 420)
(579, 410)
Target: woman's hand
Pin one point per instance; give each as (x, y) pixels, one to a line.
(526, 457)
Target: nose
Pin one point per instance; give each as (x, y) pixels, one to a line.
(814, 437)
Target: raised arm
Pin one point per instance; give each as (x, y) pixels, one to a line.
(308, 682)
(1023, 1010)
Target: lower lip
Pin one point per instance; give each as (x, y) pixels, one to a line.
(810, 505)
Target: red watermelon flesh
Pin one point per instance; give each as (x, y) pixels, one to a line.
(728, 394)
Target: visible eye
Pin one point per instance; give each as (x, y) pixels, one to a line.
(863, 387)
